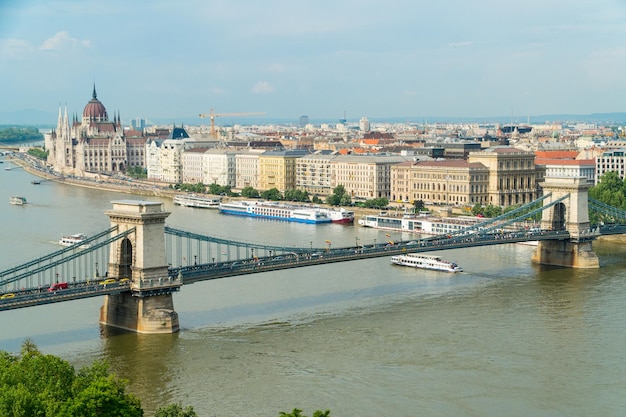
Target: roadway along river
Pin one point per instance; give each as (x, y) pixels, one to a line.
(364, 338)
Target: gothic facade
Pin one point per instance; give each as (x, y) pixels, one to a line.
(93, 144)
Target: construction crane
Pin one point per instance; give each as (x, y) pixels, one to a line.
(212, 115)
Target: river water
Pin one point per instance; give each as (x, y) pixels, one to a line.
(363, 338)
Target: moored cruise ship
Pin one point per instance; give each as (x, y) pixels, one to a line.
(420, 224)
(192, 200)
(276, 211)
(340, 215)
(434, 263)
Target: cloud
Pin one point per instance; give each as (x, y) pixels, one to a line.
(61, 40)
(263, 87)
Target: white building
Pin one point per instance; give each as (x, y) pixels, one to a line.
(614, 160)
(219, 167)
(364, 124)
(314, 173)
(247, 169)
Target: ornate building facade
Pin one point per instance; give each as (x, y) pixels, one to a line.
(93, 144)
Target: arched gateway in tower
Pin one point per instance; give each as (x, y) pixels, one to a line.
(572, 215)
(148, 306)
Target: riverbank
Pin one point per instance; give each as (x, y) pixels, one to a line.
(137, 187)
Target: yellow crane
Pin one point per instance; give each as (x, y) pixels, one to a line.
(212, 115)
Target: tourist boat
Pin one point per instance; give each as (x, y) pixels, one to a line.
(426, 225)
(17, 200)
(71, 240)
(435, 263)
(339, 215)
(275, 211)
(192, 200)
(35, 182)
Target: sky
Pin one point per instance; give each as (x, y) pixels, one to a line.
(321, 58)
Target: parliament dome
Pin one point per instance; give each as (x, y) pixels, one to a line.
(95, 110)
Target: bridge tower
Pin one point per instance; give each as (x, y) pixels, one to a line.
(572, 214)
(148, 306)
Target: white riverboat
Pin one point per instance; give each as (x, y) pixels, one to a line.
(193, 200)
(17, 200)
(276, 211)
(434, 263)
(75, 239)
(427, 225)
(339, 215)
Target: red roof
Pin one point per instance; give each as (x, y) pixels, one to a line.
(556, 154)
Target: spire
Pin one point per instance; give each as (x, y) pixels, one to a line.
(94, 95)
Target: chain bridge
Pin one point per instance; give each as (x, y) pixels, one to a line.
(139, 262)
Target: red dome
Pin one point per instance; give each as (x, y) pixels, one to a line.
(95, 109)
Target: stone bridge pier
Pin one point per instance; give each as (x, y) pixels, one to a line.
(148, 307)
(571, 214)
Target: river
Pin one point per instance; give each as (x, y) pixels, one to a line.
(364, 338)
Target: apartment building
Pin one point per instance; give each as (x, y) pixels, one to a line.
(277, 169)
(193, 165)
(314, 172)
(613, 160)
(247, 169)
(364, 176)
(448, 182)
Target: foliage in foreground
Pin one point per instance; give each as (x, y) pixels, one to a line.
(175, 410)
(34, 384)
(298, 413)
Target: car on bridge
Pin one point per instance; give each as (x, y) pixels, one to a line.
(108, 281)
(6, 296)
(58, 286)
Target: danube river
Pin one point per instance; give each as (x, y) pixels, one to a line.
(363, 338)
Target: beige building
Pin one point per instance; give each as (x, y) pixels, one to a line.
(448, 182)
(364, 176)
(512, 177)
(277, 169)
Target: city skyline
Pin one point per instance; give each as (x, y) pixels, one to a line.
(165, 59)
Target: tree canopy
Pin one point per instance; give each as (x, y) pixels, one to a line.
(34, 384)
(339, 197)
(16, 134)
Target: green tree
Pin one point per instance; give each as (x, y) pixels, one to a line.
(272, 194)
(478, 209)
(249, 192)
(20, 134)
(376, 203)
(297, 195)
(296, 412)
(215, 189)
(418, 205)
(492, 211)
(38, 153)
(339, 197)
(34, 384)
(611, 190)
(175, 410)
